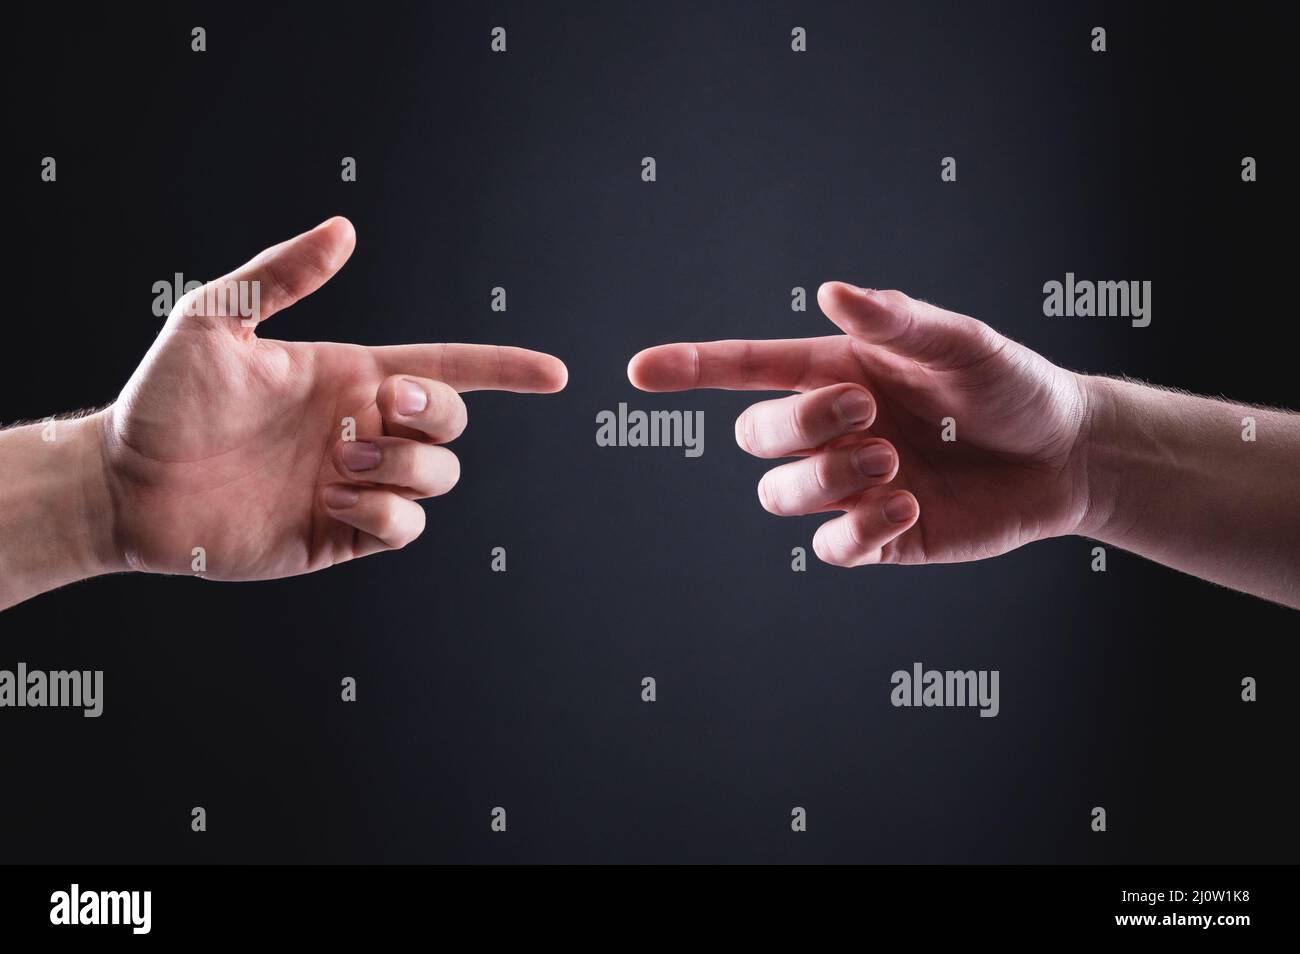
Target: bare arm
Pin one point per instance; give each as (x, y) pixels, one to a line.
(55, 517)
(234, 456)
(937, 440)
(1204, 486)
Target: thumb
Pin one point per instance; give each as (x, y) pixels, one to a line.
(944, 340)
(288, 272)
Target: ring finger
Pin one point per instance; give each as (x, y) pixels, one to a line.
(814, 483)
(426, 470)
(784, 427)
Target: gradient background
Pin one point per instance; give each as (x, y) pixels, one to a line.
(523, 689)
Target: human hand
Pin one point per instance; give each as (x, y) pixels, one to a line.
(867, 427)
(233, 442)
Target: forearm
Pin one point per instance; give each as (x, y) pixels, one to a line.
(1171, 477)
(55, 509)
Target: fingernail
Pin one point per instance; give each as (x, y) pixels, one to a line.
(360, 455)
(899, 508)
(411, 398)
(853, 407)
(339, 497)
(874, 460)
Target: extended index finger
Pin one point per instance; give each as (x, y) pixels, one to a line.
(473, 367)
(783, 364)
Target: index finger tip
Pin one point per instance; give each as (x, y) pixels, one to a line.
(531, 372)
(658, 368)
(555, 375)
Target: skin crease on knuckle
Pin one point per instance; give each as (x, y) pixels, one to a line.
(822, 473)
(858, 528)
(838, 546)
(745, 432)
(800, 424)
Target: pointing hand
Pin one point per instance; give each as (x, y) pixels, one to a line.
(234, 442)
(868, 422)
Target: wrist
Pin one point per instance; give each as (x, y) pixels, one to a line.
(1099, 443)
(56, 507)
(98, 549)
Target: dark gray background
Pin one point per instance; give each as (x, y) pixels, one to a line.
(523, 689)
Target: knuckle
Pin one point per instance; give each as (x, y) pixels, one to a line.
(386, 526)
(417, 527)
(459, 421)
(822, 474)
(405, 465)
(387, 398)
(447, 411)
(857, 528)
(185, 305)
(986, 337)
(753, 437)
(436, 408)
(743, 425)
(446, 476)
(404, 533)
(825, 548)
(442, 399)
(803, 423)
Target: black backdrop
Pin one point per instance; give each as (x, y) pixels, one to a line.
(522, 689)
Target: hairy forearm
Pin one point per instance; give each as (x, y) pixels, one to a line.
(55, 511)
(1172, 477)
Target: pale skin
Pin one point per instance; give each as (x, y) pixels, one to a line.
(1039, 451)
(227, 440)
